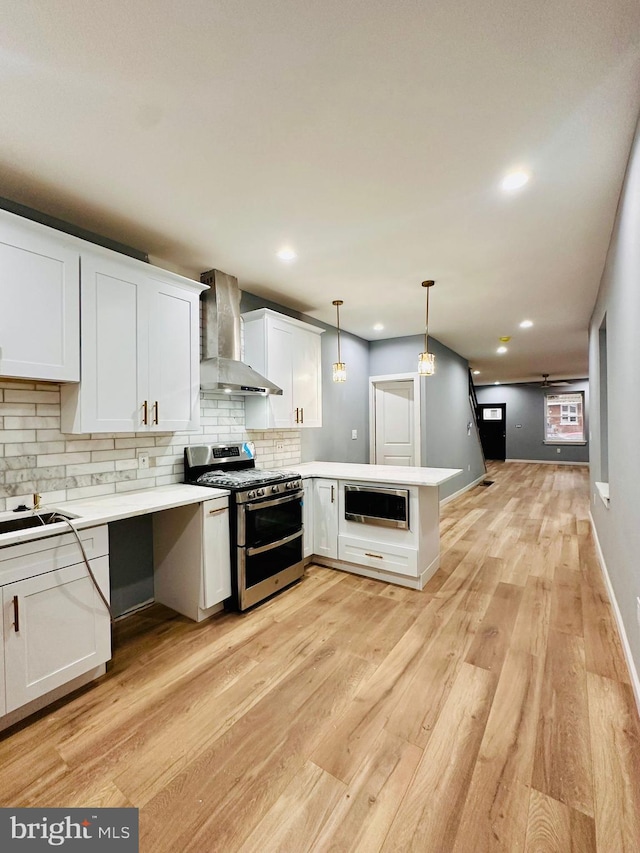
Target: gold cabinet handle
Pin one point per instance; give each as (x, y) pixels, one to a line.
(332, 493)
(216, 511)
(301, 416)
(16, 614)
(297, 416)
(145, 413)
(156, 412)
(377, 556)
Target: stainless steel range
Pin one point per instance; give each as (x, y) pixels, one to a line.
(265, 517)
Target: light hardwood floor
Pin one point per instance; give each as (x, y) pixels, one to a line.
(491, 712)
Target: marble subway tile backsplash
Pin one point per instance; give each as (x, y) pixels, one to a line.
(36, 457)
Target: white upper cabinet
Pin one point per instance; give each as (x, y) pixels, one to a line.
(288, 352)
(140, 349)
(39, 302)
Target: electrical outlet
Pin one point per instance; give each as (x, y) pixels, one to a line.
(279, 446)
(468, 467)
(558, 449)
(143, 460)
(354, 433)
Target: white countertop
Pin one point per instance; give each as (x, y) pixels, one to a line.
(400, 474)
(89, 512)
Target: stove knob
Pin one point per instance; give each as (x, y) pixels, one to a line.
(275, 490)
(251, 495)
(287, 485)
(260, 492)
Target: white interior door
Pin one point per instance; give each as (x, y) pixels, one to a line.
(396, 433)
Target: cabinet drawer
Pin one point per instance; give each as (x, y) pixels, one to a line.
(377, 555)
(53, 552)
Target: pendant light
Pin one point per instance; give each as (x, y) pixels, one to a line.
(339, 367)
(426, 359)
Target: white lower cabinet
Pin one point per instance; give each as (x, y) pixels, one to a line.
(408, 557)
(192, 573)
(307, 518)
(381, 556)
(325, 518)
(55, 625)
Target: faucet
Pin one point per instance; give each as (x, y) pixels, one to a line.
(36, 501)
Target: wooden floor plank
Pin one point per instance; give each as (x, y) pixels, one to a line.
(615, 743)
(494, 633)
(362, 818)
(496, 807)
(430, 812)
(553, 827)
(563, 768)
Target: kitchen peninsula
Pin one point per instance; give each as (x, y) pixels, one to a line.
(379, 521)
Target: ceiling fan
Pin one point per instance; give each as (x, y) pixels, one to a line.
(560, 383)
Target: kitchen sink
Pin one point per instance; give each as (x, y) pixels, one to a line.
(11, 525)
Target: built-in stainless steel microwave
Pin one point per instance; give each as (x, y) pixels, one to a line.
(377, 505)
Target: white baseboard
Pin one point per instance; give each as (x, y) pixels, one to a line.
(463, 490)
(633, 672)
(547, 462)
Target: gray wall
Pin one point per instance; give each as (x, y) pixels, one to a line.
(131, 563)
(618, 527)
(446, 441)
(344, 405)
(525, 406)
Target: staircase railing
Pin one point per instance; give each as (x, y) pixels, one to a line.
(475, 410)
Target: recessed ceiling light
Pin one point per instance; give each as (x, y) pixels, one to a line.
(476, 372)
(496, 383)
(526, 324)
(378, 327)
(286, 254)
(514, 180)
(501, 350)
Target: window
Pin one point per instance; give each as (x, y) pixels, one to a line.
(564, 418)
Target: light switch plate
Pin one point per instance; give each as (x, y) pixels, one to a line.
(354, 433)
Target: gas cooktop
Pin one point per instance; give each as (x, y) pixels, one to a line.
(243, 479)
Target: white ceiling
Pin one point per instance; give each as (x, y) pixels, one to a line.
(371, 136)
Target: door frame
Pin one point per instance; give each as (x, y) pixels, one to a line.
(417, 408)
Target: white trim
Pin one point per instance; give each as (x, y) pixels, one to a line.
(547, 462)
(603, 491)
(417, 408)
(463, 490)
(633, 672)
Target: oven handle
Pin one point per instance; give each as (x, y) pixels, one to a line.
(251, 552)
(292, 496)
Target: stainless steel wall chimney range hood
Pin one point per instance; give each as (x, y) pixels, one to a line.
(221, 368)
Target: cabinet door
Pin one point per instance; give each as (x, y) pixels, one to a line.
(280, 359)
(114, 351)
(62, 631)
(307, 378)
(39, 302)
(3, 702)
(307, 517)
(174, 373)
(216, 559)
(325, 518)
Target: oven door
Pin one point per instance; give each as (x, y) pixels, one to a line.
(269, 520)
(269, 551)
